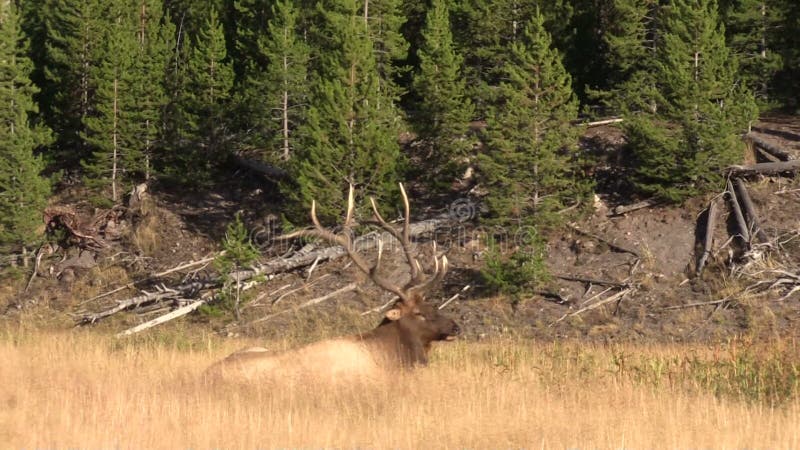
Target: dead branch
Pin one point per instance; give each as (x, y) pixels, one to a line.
(304, 286)
(770, 168)
(694, 305)
(624, 209)
(711, 221)
(449, 300)
(776, 151)
(313, 301)
(618, 296)
(267, 269)
(601, 122)
(155, 276)
(182, 311)
(737, 214)
(750, 210)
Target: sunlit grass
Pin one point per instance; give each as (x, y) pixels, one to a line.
(82, 390)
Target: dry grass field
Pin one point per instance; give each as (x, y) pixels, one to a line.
(86, 390)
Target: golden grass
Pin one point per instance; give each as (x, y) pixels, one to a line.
(79, 390)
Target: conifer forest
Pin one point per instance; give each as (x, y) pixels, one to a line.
(116, 93)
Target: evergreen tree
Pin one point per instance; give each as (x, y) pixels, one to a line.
(528, 165)
(153, 36)
(384, 19)
(74, 34)
(109, 127)
(207, 95)
(753, 29)
(23, 192)
(281, 87)
(444, 109)
(683, 149)
(352, 129)
(633, 41)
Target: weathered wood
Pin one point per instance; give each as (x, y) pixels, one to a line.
(617, 296)
(603, 122)
(780, 153)
(313, 301)
(767, 155)
(770, 168)
(737, 214)
(331, 253)
(708, 239)
(271, 172)
(458, 294)
(268, 269)
(182, 311)
(155, 276)
(623, 209)
(750, 210)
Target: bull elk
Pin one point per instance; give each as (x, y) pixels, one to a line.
(402, 340)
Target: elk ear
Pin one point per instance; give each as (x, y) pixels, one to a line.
(394, 314)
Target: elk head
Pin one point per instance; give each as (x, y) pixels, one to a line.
(411, 316)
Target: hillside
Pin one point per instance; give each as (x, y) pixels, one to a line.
(650, 251)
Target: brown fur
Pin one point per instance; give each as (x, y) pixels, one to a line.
(394, 344)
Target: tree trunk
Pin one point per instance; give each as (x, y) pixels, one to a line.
(770, 168)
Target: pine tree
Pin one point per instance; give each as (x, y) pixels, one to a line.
(208, 91)
(528, 164)
(384, 19)
(753, 29)
(281, 86)
(109, 127)
(633, 42)
(153, 30)
(444, 109)
(352, 130)
(74, 34)
(23, 192)
(704, 110)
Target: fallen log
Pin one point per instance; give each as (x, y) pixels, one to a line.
(711, 221)
(182, 311)
(603, 122)
(267, 269)
(750, 211)
(330, 253)
(770, 168)
(778, 152)
(744, 232)
(155, 275)
(624, 209)
(767, 155)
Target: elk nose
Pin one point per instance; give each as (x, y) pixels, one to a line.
(456, 329)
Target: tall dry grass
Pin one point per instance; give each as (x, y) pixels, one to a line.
(76, 390)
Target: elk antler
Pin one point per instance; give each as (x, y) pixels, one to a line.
(416, 286)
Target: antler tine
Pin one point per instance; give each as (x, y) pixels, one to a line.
(404, 237)
(346, 241)
(437, 276)
(351, 201)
